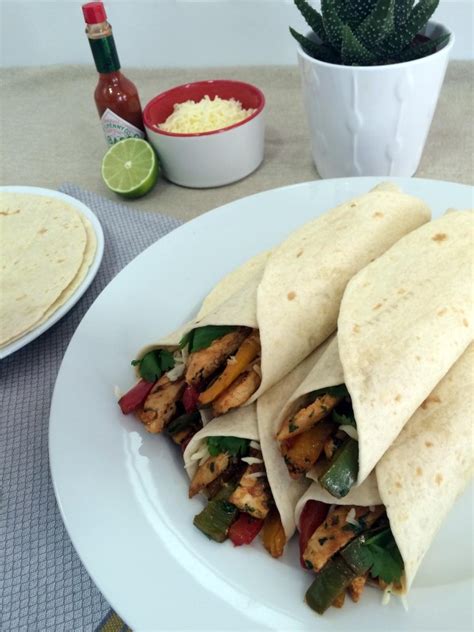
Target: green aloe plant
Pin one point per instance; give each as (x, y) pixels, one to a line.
(368, 32)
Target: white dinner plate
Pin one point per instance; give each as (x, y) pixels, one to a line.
(123, 492)
(94, 267)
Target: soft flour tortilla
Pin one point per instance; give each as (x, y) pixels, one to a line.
(425, 470)
(42, 246)
(89, 254)
(293, 296)
(404, 320)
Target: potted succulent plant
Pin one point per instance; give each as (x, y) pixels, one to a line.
(372, 71)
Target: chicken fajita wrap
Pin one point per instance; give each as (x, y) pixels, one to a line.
(225, 463)
(380, 532)
(257, 325)
(404, 321)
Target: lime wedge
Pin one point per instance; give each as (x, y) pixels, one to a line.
(130, 167)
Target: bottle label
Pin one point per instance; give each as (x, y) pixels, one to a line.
(116, 128)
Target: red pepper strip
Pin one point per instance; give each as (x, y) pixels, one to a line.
(244, 529)
(190, 398)
(135, 397)
(314, 513)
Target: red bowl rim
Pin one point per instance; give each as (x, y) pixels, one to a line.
(152, 127)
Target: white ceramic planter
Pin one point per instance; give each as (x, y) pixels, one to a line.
(372, 121)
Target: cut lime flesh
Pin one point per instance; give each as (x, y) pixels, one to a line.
(130, 167)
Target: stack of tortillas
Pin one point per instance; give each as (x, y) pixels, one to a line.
(46, 249)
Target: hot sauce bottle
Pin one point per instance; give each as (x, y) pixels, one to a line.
(116, 97)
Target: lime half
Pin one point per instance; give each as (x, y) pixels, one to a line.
(130, 167)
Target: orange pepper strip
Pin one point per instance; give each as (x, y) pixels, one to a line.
(273, 534)
(248, 351)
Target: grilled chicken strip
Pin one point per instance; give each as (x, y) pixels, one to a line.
(356, 588)
(335, 533)
(238, 392)
(203, 363)
(211, 469)
(252, 495)
(160, 405)
(330, 448)
(246, 354)
(339, 600)
(302, 452)
(305, 418)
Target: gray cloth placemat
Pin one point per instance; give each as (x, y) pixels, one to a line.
(43, 584)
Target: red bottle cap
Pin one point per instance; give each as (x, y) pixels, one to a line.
(94, 12)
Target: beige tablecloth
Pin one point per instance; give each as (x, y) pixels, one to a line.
(50, 132)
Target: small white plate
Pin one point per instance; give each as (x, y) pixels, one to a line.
(123, 492)
(63, 309)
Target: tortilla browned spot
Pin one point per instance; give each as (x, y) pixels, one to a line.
(440, 237)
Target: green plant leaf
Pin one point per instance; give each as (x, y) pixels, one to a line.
(377, 25)
(402, 10)
(353, 12)
(154, 364)
(333, 24)
(202, 337)
(235, 446)
(422, 50)
(343, 420)
(313, 18)
(317, 51)
(387, 563)
(417, 20)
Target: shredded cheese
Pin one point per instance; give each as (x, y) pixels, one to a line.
(206, 415)
(200, 455)
(206, 115)
(351, 519)
(255, 445)
(176, 372)
(117, 392)
(251, 460)
(351, 431)
(257, 474)
(257, 369)
(387, 593)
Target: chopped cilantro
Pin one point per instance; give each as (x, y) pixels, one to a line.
(351, 527)
(377, 554)
(154, 364)
(232, 445)
(203, 337)
(387, 562)
(322, 541)
(292, 427)
(343, 420)
(335, 391)
(309, 564)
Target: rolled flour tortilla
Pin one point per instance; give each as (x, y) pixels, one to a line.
(251, 422)
(404, 321)
(424, 471)
(292, 294)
